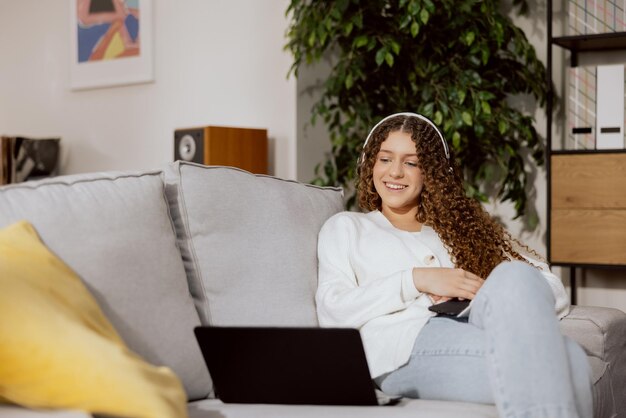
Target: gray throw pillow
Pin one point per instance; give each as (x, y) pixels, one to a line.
(249, 243)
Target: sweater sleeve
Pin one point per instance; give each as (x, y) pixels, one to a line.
(562, 304)
(341, 300)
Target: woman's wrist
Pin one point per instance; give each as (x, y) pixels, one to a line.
(409, 291)
(418, 280)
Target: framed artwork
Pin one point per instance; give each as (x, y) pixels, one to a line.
(111, 43)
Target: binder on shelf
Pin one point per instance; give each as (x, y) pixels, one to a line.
(581, 108)
(610, 107)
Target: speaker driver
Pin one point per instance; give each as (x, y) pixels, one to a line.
(187, 148)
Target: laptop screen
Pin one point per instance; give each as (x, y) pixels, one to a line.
(315, 366)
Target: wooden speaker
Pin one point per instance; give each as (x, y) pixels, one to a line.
(243, 148)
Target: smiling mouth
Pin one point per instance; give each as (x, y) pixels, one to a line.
(395, 186)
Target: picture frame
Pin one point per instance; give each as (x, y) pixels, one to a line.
(111, 43)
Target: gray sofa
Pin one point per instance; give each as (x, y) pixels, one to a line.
(164, 251)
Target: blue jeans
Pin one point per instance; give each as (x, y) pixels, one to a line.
(511, 353)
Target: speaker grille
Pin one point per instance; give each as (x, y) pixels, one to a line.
(189, 145)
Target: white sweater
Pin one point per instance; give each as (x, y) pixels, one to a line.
(366, 282)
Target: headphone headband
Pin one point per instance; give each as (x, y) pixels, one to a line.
(415, 115)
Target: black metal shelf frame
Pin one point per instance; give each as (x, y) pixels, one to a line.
(613, 41)
(596, 42)
(588, 151)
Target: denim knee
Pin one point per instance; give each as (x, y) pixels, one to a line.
(518, 279)
(580, 368)
(578, 356)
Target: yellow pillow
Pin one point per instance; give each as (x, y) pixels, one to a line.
(58, 350)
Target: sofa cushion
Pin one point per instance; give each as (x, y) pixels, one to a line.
(407, 408)
(114, 231)
(59, 351)
(249, 243)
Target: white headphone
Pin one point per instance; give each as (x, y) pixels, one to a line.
(415, 115)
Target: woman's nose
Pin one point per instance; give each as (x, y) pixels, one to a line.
(396, 170)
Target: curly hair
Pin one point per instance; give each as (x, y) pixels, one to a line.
(475, 241)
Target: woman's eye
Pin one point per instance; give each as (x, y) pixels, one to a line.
(411, 163)
(384, 160)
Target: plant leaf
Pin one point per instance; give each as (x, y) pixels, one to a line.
(405, 21)
(424, 15)
(502, 126)
(486, 95)
(467, 118)
(349, 81)
(380, 55)
(456, 140)
(484, 52)
(395, 47)
(438, 118)
(347, 29)
(360, 41)
(415, 28)
(486, 108)
(428, 110)
(461, 94)
(389, 59)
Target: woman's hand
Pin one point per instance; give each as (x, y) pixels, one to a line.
(438, 299)
(447, 282)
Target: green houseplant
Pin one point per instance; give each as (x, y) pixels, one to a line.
(457, 62)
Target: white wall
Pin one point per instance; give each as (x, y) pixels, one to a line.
(217, 62)
(313, 140)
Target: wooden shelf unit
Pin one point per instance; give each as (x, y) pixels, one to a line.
(586, 188)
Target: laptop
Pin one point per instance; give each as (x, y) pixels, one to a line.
(311, 366)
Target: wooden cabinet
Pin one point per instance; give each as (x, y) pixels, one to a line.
(588, 209)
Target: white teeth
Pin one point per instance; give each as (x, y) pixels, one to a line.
(395, 186)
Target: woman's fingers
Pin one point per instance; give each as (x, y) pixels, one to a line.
(466, 294)
(470, 285)
(472, 276)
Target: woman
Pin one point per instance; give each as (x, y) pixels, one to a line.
(423, 241)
